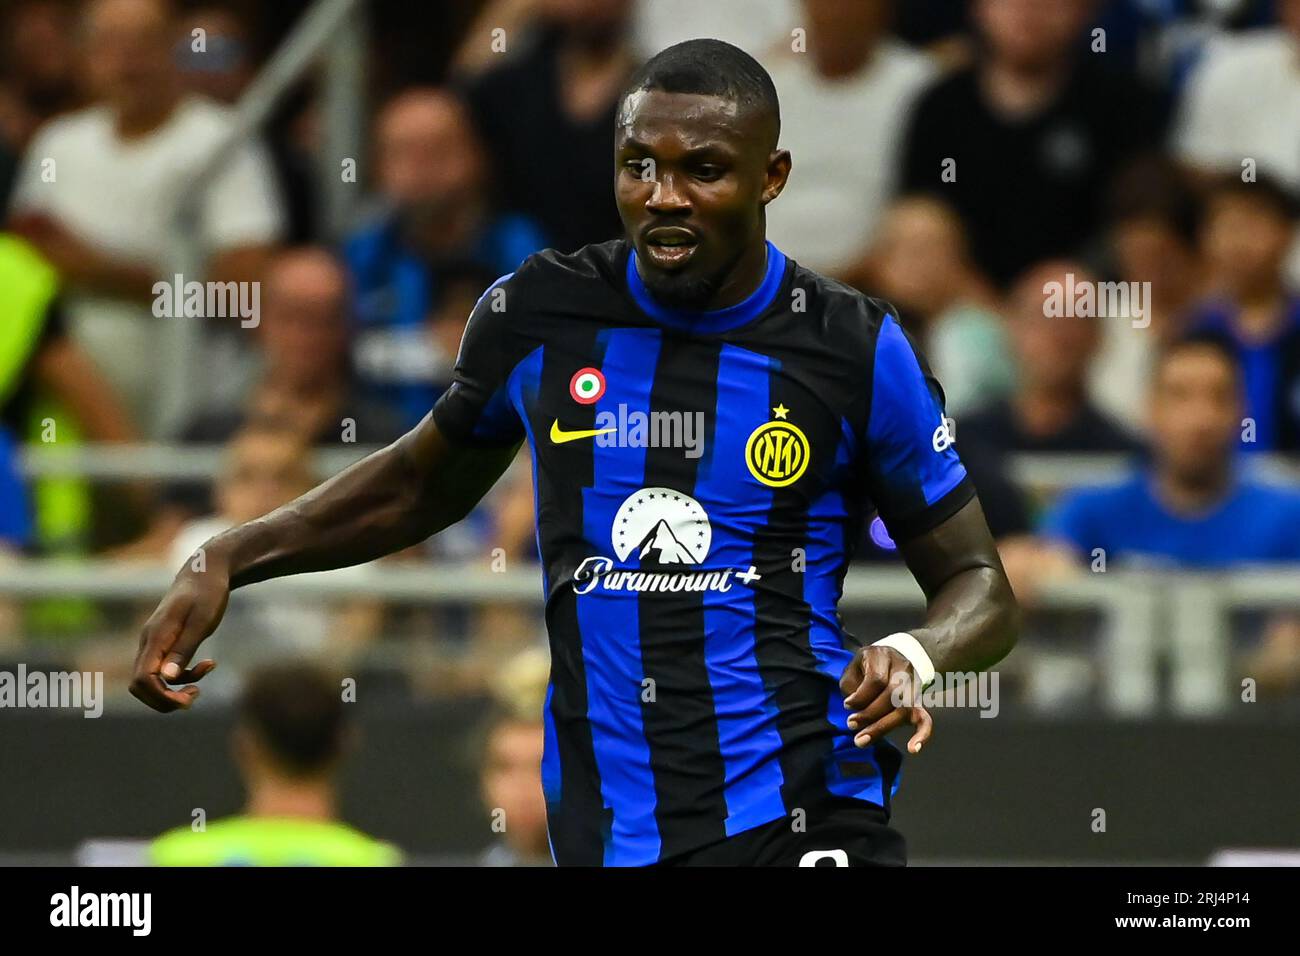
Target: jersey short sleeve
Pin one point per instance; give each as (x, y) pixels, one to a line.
(914, 476)
(476, 408)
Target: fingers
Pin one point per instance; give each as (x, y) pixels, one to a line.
(924, 728)
(903, 715)
(195, 673)
(884, 725)
(875, 666)
(150, 690)
(170, 637)
(199, 623)
(901, 690)
(851, 677)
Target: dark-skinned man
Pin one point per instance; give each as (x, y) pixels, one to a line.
(710, 424)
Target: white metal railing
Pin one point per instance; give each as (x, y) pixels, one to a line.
(332, 30)
(155, 461)
(1148, 618)
(1039, 473)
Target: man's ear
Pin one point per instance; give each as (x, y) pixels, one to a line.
(778, 171)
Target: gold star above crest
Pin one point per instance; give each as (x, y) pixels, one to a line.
(780, 411)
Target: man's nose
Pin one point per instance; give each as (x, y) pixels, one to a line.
(667, 196)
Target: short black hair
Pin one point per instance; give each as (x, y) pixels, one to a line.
(296, 710)
(1156, 187)
(707, 67)
(1262, 189)
(1217, 342)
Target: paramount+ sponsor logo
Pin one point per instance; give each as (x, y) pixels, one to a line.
(666, 532)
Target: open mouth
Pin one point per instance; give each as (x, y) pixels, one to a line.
(670, 246)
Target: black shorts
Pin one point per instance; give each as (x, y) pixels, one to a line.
(841, 832)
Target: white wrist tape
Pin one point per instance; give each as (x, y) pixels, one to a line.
(911, 648)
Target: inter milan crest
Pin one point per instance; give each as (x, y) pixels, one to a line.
(777, 453)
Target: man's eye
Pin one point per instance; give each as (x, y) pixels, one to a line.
(708, 172)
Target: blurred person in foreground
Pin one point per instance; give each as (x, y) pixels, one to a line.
(810, 401)
(100, 190)
(433, 250)
(291, 735)
(511, 762)
(1050, 409)
(1246, 230)
(847, 98)
(545, 109)
(1024, 142)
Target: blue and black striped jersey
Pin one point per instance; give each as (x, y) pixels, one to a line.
(700, 481)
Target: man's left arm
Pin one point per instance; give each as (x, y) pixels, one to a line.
(972, 621)
(928, 505)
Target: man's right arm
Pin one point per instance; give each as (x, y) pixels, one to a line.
(388, 501)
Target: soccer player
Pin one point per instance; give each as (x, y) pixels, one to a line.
(710, 425)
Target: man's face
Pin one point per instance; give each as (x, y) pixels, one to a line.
(1054, 350)
(304, 325)
(1031, 34)
(428, 156)
(1288, 14)
(595, 18)
(263, 471)
(1195, 412)
(1245, 243)
(512, 782)
(842, 31)
(920, 254)
(693, 175)
(128, 50)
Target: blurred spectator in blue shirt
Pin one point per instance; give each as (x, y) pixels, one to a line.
(15, 510)
(1191, 508)
(1245, 236)
(438, 228)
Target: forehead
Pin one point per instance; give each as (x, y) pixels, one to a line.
(1196, 366)
(685, 120)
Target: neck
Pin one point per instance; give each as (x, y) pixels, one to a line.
(1018, 90)
(316, 388)
(1260, 311)
(745, 278)
(144, 119)
(1044, 409)
(311, 799)
(582, 51)
(1193, 492)
(838, 63)
(450, 229)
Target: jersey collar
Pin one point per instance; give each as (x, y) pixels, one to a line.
(719, 320)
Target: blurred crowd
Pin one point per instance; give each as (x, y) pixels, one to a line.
(996, 169)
